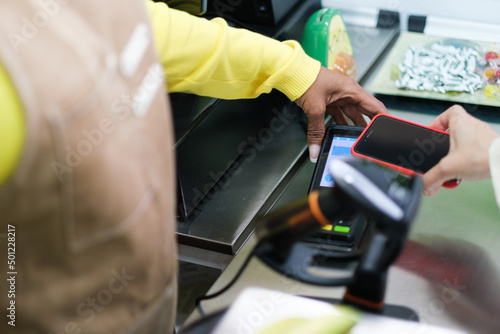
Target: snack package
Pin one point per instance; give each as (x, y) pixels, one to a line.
(444, 66)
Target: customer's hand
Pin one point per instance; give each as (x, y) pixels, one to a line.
(338, 95)
(470, 139)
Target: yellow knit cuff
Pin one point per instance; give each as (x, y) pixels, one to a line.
(307, 70)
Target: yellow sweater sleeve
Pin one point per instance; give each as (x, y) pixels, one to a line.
(212, 59)
(12, 126)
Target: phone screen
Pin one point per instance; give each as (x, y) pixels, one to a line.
(340, 146)
(338, 142)
(403, 144)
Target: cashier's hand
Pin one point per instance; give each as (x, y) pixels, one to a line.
(340, 96)
(468, 158)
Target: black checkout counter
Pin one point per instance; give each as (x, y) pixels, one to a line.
(242, 154)
(448, 272)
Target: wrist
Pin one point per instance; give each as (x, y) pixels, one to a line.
(305, 71)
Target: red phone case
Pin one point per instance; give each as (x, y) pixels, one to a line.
(402, 170)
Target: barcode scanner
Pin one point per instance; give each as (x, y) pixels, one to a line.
(389, 199)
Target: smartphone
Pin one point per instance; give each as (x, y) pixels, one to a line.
(408, 147)
(342, 234)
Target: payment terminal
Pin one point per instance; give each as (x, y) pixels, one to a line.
(343, 234)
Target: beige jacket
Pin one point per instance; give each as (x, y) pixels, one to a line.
(89, 213)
